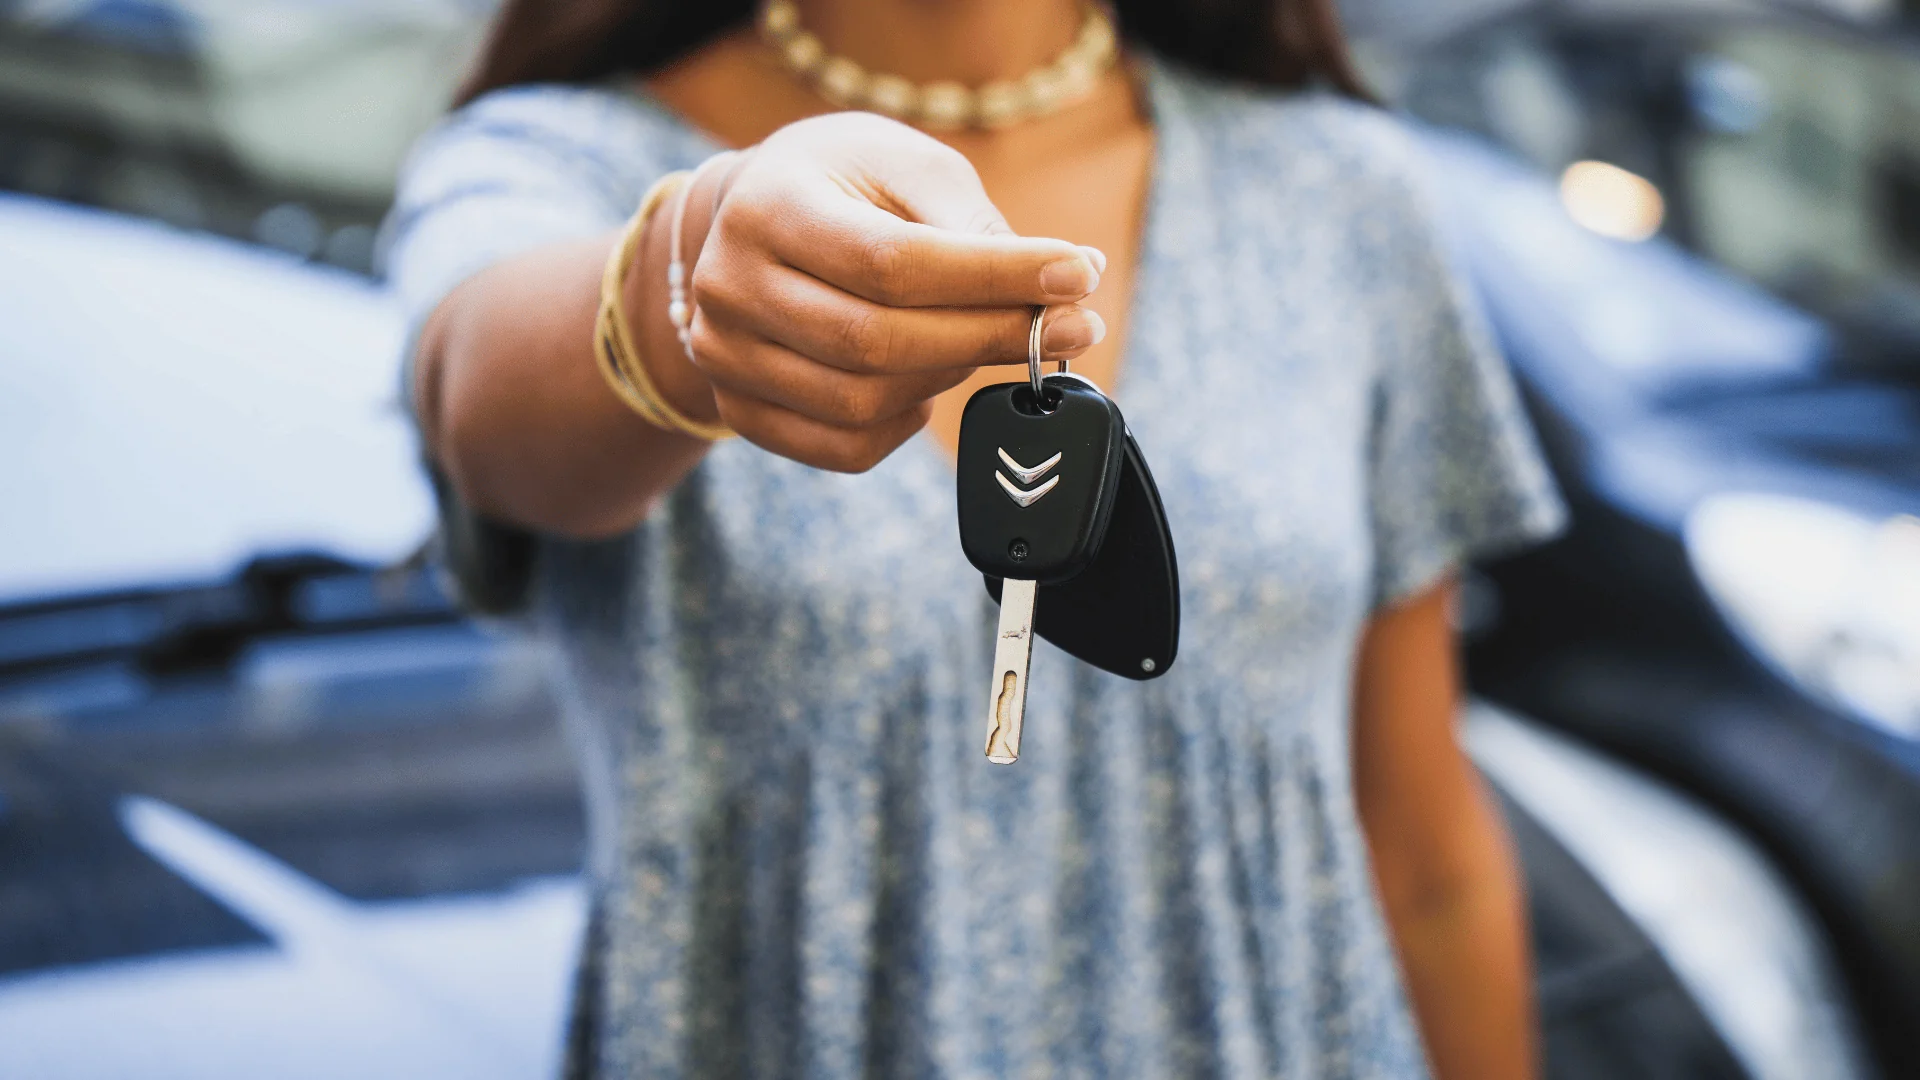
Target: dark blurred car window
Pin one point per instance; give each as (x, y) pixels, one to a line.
(1785, 149)
(1804, 169)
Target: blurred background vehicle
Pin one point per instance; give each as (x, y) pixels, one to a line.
(270, 805)
(277, 121)
(1696, 239)
(357, 846)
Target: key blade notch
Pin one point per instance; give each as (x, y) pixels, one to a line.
(1012, 661)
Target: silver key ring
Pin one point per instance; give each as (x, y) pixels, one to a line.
(1033, 355)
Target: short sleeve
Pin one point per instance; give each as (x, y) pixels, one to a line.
(513, 171)
(1455, 473)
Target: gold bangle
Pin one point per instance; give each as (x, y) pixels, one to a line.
(606, 338)
(613, 345)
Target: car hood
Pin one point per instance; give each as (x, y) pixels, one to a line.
(1672, 378)
(172, 405)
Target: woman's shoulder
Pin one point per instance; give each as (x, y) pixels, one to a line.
(1310, 174)
(592, 110)
(1264, 133)
(605, 131)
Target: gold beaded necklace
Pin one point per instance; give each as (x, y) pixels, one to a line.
(945, 105)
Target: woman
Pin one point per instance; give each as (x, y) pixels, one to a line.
(775, 656)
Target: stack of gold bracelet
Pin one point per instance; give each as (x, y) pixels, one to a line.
(613, 342)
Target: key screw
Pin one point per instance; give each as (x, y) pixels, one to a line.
(1148, 665)
(1018, 551)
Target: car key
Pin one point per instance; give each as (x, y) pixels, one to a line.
(1038, 472)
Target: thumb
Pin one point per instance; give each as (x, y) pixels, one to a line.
(936, 185)
(913, 182)
(945, 192)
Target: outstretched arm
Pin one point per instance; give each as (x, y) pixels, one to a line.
(844, 272)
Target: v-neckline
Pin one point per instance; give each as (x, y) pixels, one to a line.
(1150, 245)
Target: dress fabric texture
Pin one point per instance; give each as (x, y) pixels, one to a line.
(801, 863)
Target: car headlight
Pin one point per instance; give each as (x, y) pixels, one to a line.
(1829, 597)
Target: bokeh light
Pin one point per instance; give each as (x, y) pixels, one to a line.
(1612, 201)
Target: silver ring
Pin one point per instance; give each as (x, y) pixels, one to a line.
(1033, 354)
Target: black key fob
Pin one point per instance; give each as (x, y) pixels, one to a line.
(1037, 478)
(1054, 490)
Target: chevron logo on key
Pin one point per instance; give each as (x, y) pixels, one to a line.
(1026, 475)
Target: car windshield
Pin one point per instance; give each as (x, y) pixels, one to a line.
(1786, 151)
(275, 121)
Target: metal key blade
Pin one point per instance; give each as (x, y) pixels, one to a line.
(1012, 658)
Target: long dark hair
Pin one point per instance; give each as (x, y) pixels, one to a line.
(1284, 43)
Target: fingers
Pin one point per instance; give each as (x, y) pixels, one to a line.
(812, 442)
(819, 321)
(752, 367)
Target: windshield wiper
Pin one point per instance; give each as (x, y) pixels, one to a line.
(203, 627)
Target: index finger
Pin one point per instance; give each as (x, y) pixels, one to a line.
(889, 260)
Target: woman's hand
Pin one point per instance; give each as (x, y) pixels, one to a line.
(853, 270)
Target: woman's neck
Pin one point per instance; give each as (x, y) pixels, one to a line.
(971, 42)
(739, 91)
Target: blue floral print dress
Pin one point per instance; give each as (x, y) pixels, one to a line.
(801, 863)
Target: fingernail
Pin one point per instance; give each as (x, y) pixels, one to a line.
(1097, 257)
(1077, 329)
(1072, 278)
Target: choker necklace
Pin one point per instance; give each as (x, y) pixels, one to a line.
(1070, 78)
